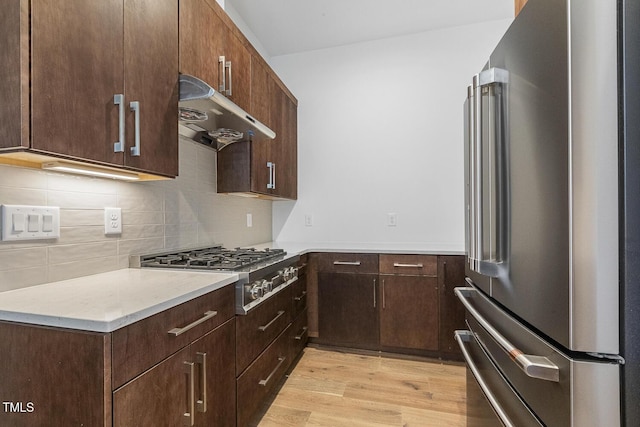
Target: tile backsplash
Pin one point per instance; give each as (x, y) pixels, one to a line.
(156, 216)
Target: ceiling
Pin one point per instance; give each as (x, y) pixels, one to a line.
(291, 26)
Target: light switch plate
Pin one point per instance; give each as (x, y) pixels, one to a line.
(22, 222)
(112, 221)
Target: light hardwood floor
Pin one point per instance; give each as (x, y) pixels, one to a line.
(329, 388)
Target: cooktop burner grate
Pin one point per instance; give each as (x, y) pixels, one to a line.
(213, 258)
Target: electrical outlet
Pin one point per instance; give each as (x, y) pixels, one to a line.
(392, 219)
(112, 221)
(308, 220)
(249, 220)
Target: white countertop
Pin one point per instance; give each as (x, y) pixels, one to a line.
(108, 301)
(389, 248)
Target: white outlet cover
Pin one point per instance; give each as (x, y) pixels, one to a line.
(112, 221)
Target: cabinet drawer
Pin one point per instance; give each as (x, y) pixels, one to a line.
(256, 330)
(141, 345)
(348, 263)
(261, 378)
(426, 265)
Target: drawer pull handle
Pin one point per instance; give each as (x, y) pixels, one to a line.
(266, 380)
(188, 417)
(302, 334)
(302, 295)
(264, 328)
(533, 366)
(201, 404)
(401, 265)
(463, 337)
(206, 316)
(346, 263)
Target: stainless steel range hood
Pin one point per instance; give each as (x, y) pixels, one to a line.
(206, 116)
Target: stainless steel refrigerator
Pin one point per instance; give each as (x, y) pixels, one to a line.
(552, 196)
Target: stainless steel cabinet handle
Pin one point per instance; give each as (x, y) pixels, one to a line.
(118, 100)
(223, 71)
(302, 295)
(230, 90)
(533, 366)
(384, 299)
(346, 263)
(266, 380)
(274, 176)
(302, 333)
(135, 107)
(179, 331)
(463, 337)
(400, 265)
(201, 403)
(188, 417)
(374, 293)
(264, 328)
(271, 185)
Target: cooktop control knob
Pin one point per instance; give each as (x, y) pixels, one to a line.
(257, 290)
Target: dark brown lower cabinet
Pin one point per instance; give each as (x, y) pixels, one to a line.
(261, 378)
(62, 377)
(348, 309)
(409, 312)
(54, 377)
(450, 276)
(191, 387)
(399, 303)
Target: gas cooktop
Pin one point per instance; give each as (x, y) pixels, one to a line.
(212, 258)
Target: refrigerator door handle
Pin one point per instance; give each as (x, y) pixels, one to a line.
(533, 366)
(463, 337)
(483, 184)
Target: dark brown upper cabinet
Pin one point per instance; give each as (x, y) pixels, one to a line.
(86, 76)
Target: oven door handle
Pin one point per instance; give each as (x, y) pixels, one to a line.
(463, 337)
(533, 366)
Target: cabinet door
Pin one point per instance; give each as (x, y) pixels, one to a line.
(54, 377)
(284, 146)
(158, 397)
(409, 312)
(76, 69)
(151, 78)
(201, 41)
(261, 104)
(239, 76)
(347, 309)
(215, 385)
(450, 275)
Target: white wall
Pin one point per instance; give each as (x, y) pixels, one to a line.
(380, 131)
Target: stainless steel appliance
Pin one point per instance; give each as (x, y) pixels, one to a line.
(263, 273)
(552, 155)
(208, 117)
